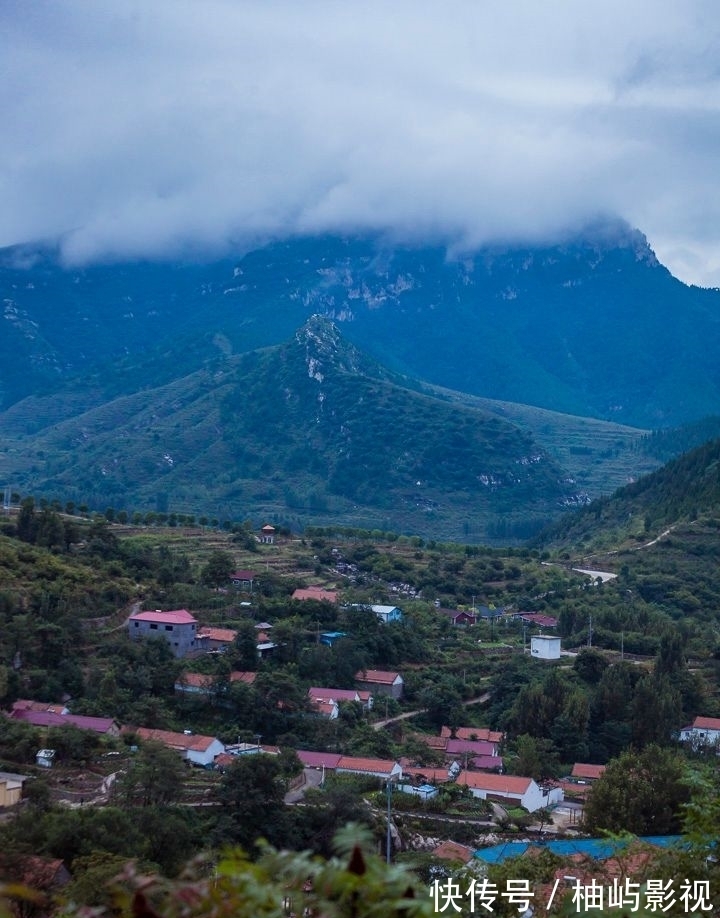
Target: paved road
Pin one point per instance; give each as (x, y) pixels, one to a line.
(313, 777)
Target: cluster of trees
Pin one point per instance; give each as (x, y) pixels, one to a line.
(596, 710)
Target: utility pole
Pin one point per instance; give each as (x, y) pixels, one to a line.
(590, 631)
(389, 805)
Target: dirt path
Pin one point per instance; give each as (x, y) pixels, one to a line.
(393, 720)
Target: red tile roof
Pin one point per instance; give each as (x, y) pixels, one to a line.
(247, 678)
(707, 723)
(356, 763)
(194, 741)
(315, 593)
(453, 851)
(223, 635)
(474, 733)
(583, 770)
(434, 742)
(495, 784)
(176, 617)
(197, 680)
(40, 873)
(24, 704)
(325, 708)
(427, 773)
(379, 676)
(317, 693)
(242, 575)
(472, 747)
(81, 721)
(317, 759)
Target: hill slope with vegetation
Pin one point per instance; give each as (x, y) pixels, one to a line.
(313, 430)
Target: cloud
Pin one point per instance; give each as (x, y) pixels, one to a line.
(152, 130)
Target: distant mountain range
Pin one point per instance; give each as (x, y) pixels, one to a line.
(594, 327)
(323, 379)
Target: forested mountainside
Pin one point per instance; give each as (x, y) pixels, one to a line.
(316, 431)
(685, 490)
(593, 327)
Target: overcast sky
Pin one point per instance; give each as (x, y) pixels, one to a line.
(158, 127)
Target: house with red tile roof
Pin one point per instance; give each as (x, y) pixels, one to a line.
(318, 693)
(381, 682)
(328, 760)
(454, 851)
(211, 638)
(193, 747)
(203, 684)
(242, 580)
(426, 774)
(178, 627)
(317, 593)
(582, 771)
(357, 765)
(510, 789)
(704, 731)
(195, 684)
(458, 748)
(106, 726)
(325, 708)
(432, 742)
(537, 618)
(475, 734)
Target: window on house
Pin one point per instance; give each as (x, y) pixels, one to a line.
(153, 627)
(168, 627)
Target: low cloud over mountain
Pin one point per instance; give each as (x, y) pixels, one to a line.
(156, 129)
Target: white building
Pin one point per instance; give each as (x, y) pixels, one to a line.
(545, 647)
(512, 789)
(193, 747)
(705, 731)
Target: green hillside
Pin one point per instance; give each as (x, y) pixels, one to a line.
(315, 431)
(684, 491)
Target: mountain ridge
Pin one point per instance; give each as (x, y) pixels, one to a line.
(592, 326)
(313, 429)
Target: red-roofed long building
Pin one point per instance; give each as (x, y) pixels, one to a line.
(104, 725)
(474, 733)
(178, 628)
(200, 750)
(381, 768)
(582, 771)
(510, 789)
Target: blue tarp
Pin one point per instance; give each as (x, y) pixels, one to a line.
(599, 848)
